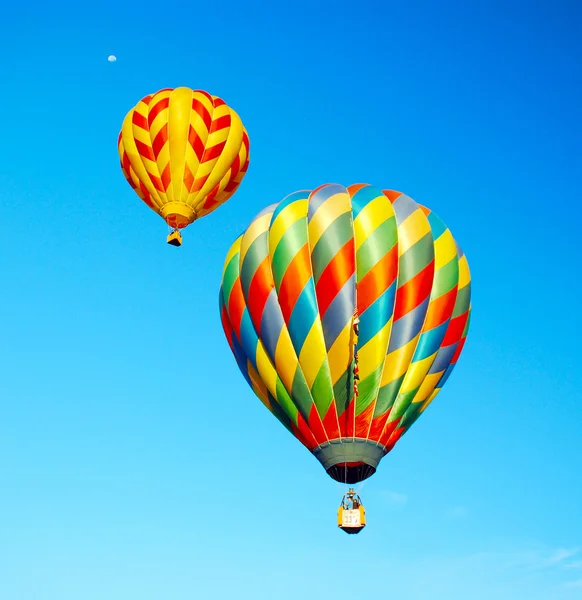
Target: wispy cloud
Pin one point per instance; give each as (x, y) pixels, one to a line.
(577, 585)
(577, 564)
(395, 498)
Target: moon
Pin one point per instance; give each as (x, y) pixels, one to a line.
(112, 58)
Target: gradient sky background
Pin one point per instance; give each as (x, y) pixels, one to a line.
(135, 461)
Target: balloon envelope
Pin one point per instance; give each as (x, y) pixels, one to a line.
(346, 310)
(184, 152)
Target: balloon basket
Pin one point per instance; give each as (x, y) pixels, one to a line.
(175, 238)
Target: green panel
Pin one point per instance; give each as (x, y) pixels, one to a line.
(368, 389)
(415, 259)
(322, 391)
(332, 240)
(230, 275)
(387, 395)
(376, 246)
(463, 301)
(285, 402)
(446, 278)
(293, 240)
(301, 394)
(343, 391)
(401, 405)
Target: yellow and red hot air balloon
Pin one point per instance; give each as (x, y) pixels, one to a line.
(184, 152)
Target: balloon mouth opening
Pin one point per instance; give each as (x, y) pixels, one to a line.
(351, 472)
(177, 221)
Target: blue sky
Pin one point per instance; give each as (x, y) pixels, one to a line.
(130, 445)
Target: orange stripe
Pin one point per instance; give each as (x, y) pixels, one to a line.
(414, 292)
(440, 309)
(378, 279)
(296, 276)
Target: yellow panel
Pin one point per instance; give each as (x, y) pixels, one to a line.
(371, 217)
(397, 362)
(430, 399)
(286, 359)
(266, 370)
(259, 386)
(228, 154)
(340, 354)
(313, 353)
(412, 229)
(427, 386)
(234, 249)
(289, 215)
(445, 249)
(464, 273)
(255, 229)
(373, 353)
(329, 211)
(416, 374)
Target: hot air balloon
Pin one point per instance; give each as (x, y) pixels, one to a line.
(346, 310)
(184, 152)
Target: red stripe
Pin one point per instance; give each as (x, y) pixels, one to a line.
(199, 183)
(363, 421)
(303, 430)
(188, 177)
(218, 102)
(160, 140)
(458, 351)
(396, 435)
(414, 292)
(330, 422)
(211, 197)
(234, 171)
(139, 120)
(146, 195)
(202, 112)
(335, 275)
(390, 427)
(455, 329)
(227, 327)
(157, 108)
(212, 153)
(293, 283)
(259, 290)
(378, 279)
(166, 177)
(145, 150)
(236, 307)
(316, 426)
(157, 183)
(392, 195)
(377, 426)
(440, 309)
(196, 143)
(220, 123)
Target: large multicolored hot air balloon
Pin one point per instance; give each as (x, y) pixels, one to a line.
(346, 310)
(184, 152)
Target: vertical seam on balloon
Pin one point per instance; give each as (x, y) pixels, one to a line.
(419, 333)
(326, 362)
(314, 406)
